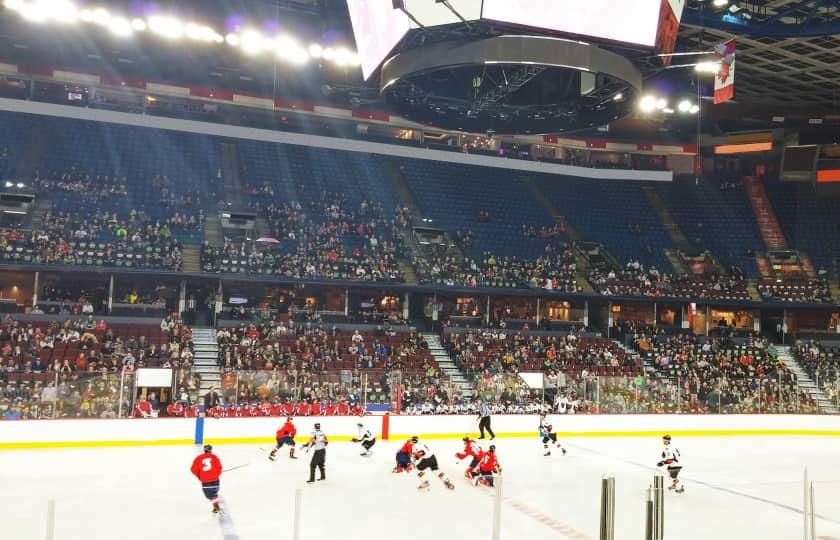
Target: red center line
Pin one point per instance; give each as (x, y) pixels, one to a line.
(557, 526)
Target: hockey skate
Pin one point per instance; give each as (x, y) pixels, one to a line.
(564, 451)
(424, 486)
(547, 453)
(680, 489)
(272, 457)
(448, 483)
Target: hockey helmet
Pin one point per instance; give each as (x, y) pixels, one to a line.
(414, 438)
(667, 438)
(208, 448)
(492, 447)
(317, 425)
(466, 438)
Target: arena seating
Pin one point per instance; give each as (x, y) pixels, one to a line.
(716, 215)
(723, 374)
(479, 199)
(613, 213)
(810, 221)
(822, 363)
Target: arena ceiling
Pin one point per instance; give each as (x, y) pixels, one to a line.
(788, 52)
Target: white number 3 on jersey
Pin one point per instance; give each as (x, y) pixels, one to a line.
(207, 464)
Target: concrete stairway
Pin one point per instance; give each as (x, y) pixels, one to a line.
(213, 230)
(765, 216)
(447, 365)
(549, 207)
(805, 381)
(191, 258)
(206, 358)
(39, 210)
(231, 182)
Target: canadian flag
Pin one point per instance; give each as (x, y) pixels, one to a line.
(725, 78)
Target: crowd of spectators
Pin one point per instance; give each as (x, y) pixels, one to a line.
(816, 290)
(636, 280)
(822, 363)
(75, 368)
(101, 239)
(723, 374)
(555, 271)
(327, 241)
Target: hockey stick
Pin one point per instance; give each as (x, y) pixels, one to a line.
(235, 467)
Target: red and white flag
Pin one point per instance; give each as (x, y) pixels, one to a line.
(725, 78)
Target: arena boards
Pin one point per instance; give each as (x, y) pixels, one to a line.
(70, 433)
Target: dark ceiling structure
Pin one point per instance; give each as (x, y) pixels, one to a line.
(788, 50)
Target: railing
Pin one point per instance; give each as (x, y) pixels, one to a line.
(275, 392)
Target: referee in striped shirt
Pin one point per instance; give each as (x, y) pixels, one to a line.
(484, 420)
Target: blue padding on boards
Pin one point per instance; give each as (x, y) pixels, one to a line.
(378, 407)
(199, 430)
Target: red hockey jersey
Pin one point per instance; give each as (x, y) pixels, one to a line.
(207, 468)
(288, 430)
(471, 448)
(489, 463)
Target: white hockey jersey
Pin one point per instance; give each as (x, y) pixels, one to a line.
(671, 457)
(421, 451)
(365, 434)
(545, 426)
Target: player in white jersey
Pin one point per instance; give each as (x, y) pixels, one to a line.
(366, 438)
(671, 459)
(547, 434)
(426, 459)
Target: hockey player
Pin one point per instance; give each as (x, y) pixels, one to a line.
(488, 465)
(366, 438)
(318, 442)
(404, 456)
(208, 468)
(473, 450)
(285, 435)
(548, 435)
(671, 460)
(426, 459)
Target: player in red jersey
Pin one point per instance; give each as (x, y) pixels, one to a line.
(285, 435)
(404, 456)
(472, 449)
(208, 468)
(488, 465)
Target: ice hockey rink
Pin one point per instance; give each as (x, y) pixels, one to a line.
(736, 488)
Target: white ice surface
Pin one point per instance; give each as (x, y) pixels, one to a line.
(736, 488)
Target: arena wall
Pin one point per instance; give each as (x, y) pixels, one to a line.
(174, 431)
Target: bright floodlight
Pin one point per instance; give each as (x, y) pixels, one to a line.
(63, 11)
(316, 51)
(342, 57)
(9, 184)
(354, 59)
(618, 97)
(101, 16)
(647, 104)
(14, 5)
(19, 184)
(707, 67)
(232, 40)
(138, 25)
(252, 41)
(694, 109)
(167, 27)
(86, 15)
(119, 26)
(34, 13)
(684, 106)
(661, 103)
(720, 3)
